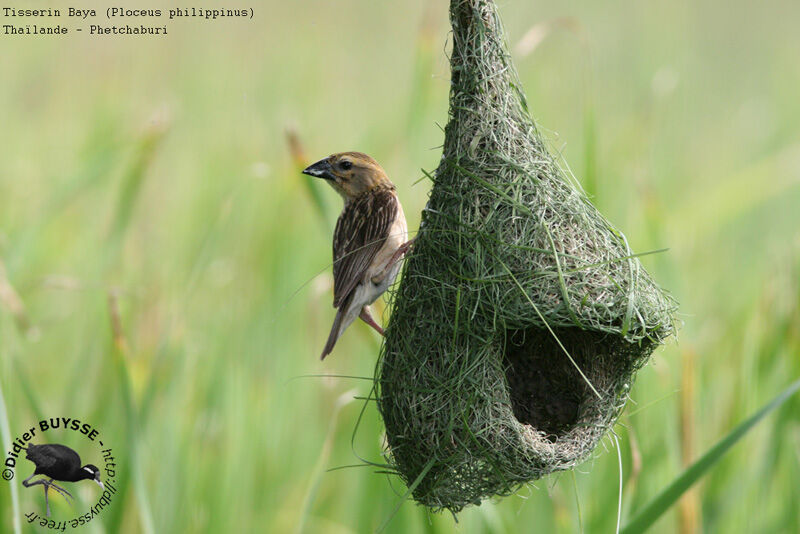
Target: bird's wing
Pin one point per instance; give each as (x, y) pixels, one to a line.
(38, 454)
(360, 233)
(47, 456)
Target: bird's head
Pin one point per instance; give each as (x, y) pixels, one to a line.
(91, 472)
(350, 173)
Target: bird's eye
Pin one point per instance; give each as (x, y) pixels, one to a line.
(346, 165)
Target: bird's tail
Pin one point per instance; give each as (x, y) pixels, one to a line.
(334, 335)
(336, 328)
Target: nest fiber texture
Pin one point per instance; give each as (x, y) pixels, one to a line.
(515, 281)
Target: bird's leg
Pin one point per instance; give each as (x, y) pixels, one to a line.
(34, 483)
(25, 482)
(366, 316)
(42, 481)
(46, 500)
(47, 485)
(399, 253)
(64, 493)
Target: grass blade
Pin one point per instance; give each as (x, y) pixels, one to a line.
(300, 162)
(5, 433)
(664, 501)
(120, 351)
(324, 455)
(407, 494)
(133, 179)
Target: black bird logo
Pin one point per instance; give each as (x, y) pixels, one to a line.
(58, 462)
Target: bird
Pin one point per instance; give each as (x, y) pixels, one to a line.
(370, 238)
(58, 462)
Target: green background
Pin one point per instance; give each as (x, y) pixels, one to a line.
(148, 181)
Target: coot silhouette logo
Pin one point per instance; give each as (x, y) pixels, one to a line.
(43, 448)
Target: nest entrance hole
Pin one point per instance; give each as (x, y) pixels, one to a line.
(546, 390)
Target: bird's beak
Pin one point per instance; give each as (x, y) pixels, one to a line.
(320, 169)
(102, 487)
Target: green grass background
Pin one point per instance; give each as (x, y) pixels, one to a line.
(157, 170)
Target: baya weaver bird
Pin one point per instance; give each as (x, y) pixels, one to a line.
(369, 240)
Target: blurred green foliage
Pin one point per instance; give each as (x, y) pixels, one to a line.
(150, 179)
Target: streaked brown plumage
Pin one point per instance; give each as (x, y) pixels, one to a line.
(369, 239)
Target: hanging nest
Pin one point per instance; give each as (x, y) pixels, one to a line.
(522, 314)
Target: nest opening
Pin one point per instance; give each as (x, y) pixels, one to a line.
(545, 388)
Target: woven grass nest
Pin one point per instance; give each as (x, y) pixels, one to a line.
(516, 281)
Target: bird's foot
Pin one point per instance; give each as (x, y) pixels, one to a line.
(58, 489)
(408, 245)
(64, 493)
(401, 251)
(366, 316)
